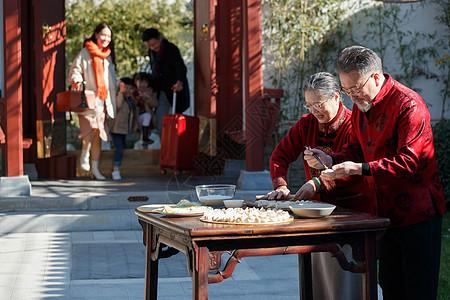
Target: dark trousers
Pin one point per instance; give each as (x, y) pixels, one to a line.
(119, 145)
(409, 261)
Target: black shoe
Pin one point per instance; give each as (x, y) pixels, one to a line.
(147, 141)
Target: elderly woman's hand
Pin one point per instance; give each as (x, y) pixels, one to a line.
(313, 162)
(306, 192)
(281, 192)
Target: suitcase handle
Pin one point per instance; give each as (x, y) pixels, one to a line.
(174, 103)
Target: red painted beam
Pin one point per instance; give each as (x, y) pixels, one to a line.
(253, 86)
(13, 89)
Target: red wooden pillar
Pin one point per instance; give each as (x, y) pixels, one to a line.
(12, 113)
(253, 85)
(229, 72)
(229, 78)
(205, 82)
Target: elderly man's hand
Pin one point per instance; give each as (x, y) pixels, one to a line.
(342, 170)
(313, 162)
(281, 192)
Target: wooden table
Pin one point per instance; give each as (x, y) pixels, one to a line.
(204, 243)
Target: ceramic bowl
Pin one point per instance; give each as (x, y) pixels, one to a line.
(214, 194)
(312, 210)
(233, 203)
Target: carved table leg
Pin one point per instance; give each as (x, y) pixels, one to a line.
(371, 289)
(305, 276)
(200, 276)
(151, 266)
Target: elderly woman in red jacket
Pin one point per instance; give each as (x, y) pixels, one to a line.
(327, 128)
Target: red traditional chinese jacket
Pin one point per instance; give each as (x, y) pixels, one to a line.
(396, 140)
(350, 192)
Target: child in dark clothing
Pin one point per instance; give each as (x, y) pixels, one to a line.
(146, 102)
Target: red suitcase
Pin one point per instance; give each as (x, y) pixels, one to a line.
(179, 142)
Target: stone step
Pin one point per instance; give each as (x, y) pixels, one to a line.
(135, 163)
(233, 167)
(87, 201)
(85, 213)
(69, 221)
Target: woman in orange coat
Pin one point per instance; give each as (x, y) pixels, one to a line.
(95, 65)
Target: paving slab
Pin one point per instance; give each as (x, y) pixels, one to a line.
(68, 221)
(110, 265)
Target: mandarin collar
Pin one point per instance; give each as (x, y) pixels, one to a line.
(385, 89)
(336, 122)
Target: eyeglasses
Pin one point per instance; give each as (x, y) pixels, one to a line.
(315, 106)
(354, 93)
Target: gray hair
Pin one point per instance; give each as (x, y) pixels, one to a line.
(323, 82)
(358, 59)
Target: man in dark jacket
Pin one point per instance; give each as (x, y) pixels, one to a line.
(169, 74)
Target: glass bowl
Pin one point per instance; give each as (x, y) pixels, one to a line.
(214, 194)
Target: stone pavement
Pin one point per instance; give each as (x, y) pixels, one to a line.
(80, 239)
(110, 265)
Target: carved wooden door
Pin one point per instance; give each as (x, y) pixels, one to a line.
(47, 68)
(218, 75)
(205, 84)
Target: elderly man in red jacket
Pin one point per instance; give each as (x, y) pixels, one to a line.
(392, 144)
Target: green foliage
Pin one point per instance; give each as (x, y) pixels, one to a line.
(444, 274)
(443, 61)
(128, 19)
(441, 135)
(443, 64)
(384, 31)
(301, 37)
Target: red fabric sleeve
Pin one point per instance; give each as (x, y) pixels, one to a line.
(287, 152)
